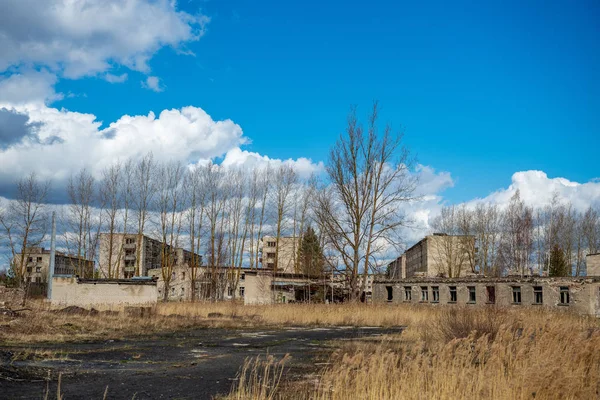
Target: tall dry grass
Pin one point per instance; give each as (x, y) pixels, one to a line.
(506, 355)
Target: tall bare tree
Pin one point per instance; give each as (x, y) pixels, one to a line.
(360, 209)
(25, 222)
(195, 213)
(170, 207)
(517, 236)
(143, 190)
(284, 180)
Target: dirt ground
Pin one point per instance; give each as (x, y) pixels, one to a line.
(196, 364)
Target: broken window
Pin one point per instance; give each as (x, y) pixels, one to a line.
(242, 277)
(390, 293)
(30, 259)
(183, 276)
(453, 294)
(270, 255)
(38, 269)
(435, 292)
(39, 259)
(407, 293)
(472, 294)
(173, 276)
(230, 291)
(565, 296)
(516, 294)
(271, 244)
(491, 294)
(538, 295)
(242, 291)
(424, 293)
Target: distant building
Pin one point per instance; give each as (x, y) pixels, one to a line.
(577, 294)
(280, 257)
(440, 255)
(397, 268)
(118, 255)
(37, 265)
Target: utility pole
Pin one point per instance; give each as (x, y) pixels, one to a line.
(52, 255)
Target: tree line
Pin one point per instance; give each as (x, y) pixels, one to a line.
(522, 240)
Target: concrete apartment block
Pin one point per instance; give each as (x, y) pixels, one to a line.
(576, 294)
(288, 247)
(438, 255)
(118, 253)
(37, 263)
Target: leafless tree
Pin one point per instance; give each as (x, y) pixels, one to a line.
(517, 236)
(486, 228)
(259, 193)
(448, 249)
(143, 190)
(83, 225)
(112, 198)
(284, 180)
(169, 205)
(195, 217)
(25, 222)
(361, 207)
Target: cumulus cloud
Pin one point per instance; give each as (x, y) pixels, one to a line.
(66, 141)
(153, 83)
(28, 87)
(536, 190)
(14, 128)
(87, 37)
(237, 157)
(115, 78)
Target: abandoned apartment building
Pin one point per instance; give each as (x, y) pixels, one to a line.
(415, 278)
(37, 264)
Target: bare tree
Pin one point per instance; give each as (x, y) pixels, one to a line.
(259, 193)
(112, 199)
(169, 205)
(143, 190)
(25, 222)
(195, 218)
(487, 236)
(447, 248)
(517, 236)
(361, 208)
(284, 181)
(81, 192)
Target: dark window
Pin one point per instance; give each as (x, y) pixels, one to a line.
(39, 259)
(453, 295)
(565, 296)
(242, 291)
(270, 255)
(271, 244)
(424, 293)
(38, 279)
(435, 292)
(472, 294)
(407, 293)
(516, 294)
(183, 276)
(538, 295)
(38, 269)
(30, 259)
(390, 293)
(491, 294)
(242, 277)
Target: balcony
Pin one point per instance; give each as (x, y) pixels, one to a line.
(129, 269)
(129, 246)
(129, 257)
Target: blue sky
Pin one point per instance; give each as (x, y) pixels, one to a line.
(481, 90)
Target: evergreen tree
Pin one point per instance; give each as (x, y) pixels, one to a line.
(310, 254)
(558, 262)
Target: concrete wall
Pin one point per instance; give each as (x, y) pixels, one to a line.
(592, 263)
(68, 291)
(436, 255)
(287, 247)
(257, 288)
(584, 294)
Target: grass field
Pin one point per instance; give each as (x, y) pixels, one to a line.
(444, 352)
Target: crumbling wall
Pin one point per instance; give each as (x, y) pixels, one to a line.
(11, 297)
(68, 291)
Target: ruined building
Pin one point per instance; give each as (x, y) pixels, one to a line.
(37, 264)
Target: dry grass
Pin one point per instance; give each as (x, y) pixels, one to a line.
(45, 325)
(506, 355)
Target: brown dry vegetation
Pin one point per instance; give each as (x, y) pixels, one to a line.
(463, 353)
(42, 324)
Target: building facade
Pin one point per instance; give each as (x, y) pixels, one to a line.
(440, 255)
(37, 265)
(577, 294)
(280, 257)
(592, 264)
(119, 254)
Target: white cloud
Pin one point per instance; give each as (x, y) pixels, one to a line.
(28, 87)
(65, 141)
(237, 157)
(115, 78)
(153, 83)
(536, 190)
(87, 37)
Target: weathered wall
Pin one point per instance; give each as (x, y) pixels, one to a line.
(584, 294)
(257, 288)
(592, 263)
(11, 297)
(67, 291)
